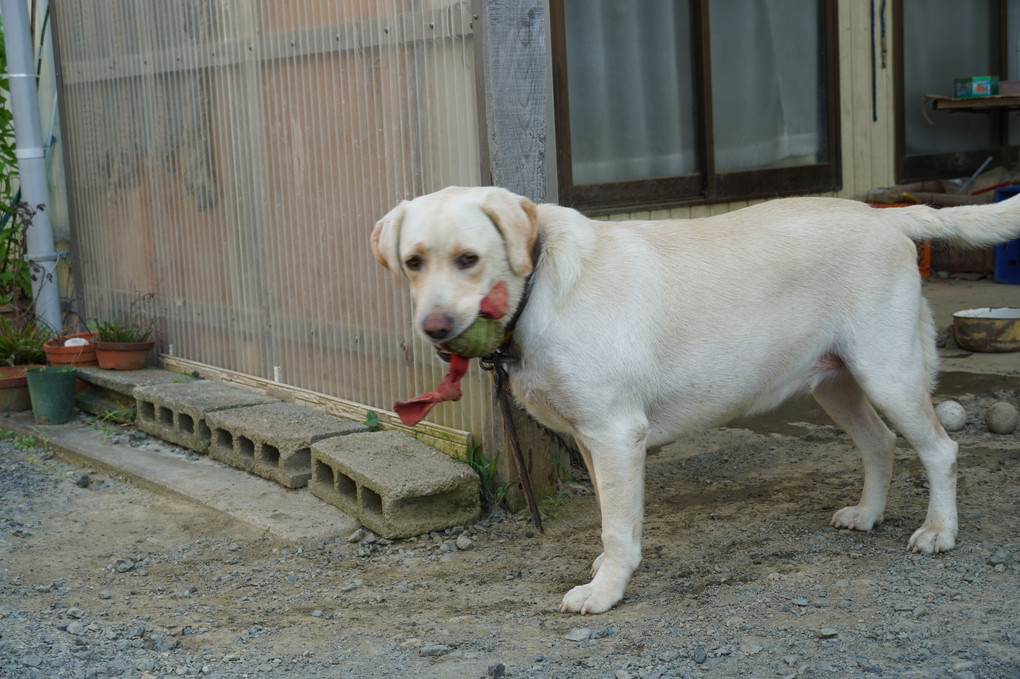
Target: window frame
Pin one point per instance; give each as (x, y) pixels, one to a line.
(947, 165)
(705, 186)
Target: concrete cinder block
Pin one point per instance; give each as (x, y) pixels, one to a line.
(273, 440)
(393, 483)
(110, 393)
(176, 412)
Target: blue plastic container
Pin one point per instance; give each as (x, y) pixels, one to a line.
(1007, 255)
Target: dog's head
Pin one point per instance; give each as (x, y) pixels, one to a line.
(454, 246)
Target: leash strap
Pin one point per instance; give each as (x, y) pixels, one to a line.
(501, 379)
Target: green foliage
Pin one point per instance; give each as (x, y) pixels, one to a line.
(372, 421)
(15, 276)
(22, 345)
(116, 330)
(23, 442)
(120, 414)
(486, 471)
(552, 502)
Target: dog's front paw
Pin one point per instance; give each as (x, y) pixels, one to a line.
(931, 538)
(585, 599)
(858, 517)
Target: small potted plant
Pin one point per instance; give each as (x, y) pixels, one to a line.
(73, 349)
(21, 348)
(123, 345)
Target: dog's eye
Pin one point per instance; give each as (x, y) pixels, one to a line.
(413, 263)
(467, 260)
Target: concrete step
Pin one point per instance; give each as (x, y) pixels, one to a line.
(110, 393)
(394, 484)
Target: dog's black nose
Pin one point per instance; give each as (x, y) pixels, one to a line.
(437, 326)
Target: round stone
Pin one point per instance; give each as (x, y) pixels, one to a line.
(952, 415)
(1002, 418)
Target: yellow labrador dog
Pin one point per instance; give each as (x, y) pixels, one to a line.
(636, 332)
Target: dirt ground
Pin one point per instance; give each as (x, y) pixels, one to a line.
(741, 575)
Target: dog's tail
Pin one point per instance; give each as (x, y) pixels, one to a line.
(971, 226)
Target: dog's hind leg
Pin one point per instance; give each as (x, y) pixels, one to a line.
(899, 388)
(914, 416)
(618, 459)
(844, 401)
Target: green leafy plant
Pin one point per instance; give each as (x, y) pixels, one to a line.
(372, 421)
(118, 415)
(23, 442)
(117, 330)
(552, 502)
(15, 275)
(22, 345)
(486, 470)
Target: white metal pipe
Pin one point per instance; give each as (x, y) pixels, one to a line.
(40, 252)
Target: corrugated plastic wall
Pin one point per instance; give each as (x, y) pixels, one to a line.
(227, 162)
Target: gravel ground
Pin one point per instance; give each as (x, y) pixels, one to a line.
(741, 577)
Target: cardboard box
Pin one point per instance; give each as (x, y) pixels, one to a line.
(977, 86)
(1009, 87)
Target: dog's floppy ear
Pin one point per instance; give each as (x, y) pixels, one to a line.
(386, 237)
(516, 218)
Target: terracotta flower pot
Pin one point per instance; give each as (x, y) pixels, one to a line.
(123, 355)
(14, 388)
(84, 354)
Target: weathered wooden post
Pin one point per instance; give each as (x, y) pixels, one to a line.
(510, 59)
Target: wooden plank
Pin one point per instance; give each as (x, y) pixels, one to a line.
(453, 442)
(989, 103)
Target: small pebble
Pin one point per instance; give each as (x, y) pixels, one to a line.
(826, 633)
(162, 643)
(1000, 558)
(82, 480)
(700, 655)
(578, 634)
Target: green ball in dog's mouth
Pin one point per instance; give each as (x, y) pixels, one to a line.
(481, 338)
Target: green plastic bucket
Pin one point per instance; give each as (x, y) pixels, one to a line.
(51, 390)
